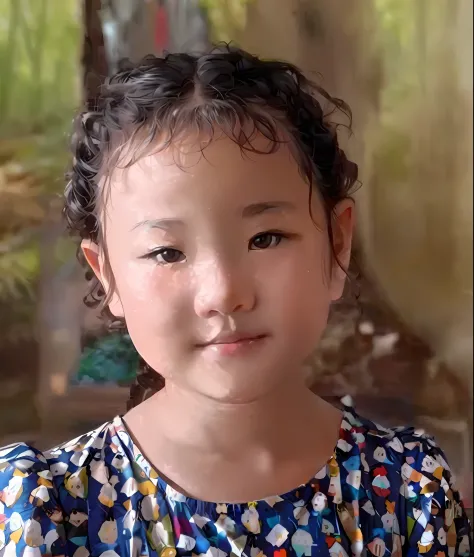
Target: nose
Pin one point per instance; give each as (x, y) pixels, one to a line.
(222, 289)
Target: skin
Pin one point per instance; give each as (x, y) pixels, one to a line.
(245, 258)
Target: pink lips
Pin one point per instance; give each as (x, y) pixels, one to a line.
(228, 345)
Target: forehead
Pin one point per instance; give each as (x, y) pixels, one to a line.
(222, 171)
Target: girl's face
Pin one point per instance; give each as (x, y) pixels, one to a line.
(222, 276)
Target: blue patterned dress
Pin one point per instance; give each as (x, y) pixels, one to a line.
(383, 492)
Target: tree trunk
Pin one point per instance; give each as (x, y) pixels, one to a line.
(94, 60)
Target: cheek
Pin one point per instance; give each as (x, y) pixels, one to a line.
(298, 290)
(308, 310)
(299, 279)
(152, 297)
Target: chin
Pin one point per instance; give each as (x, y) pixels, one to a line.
(235, 386)
(234, 396)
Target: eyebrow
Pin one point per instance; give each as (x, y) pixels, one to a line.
(259, 208)
(164, 224)
(250, 211)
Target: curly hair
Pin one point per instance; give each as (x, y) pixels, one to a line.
(161, 101)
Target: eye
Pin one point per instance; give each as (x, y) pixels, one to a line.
(166, 256)
(266, 240)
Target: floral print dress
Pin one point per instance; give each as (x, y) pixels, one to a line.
(384, 492)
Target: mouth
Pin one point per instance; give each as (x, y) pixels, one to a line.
(235, 338)
(226, 345)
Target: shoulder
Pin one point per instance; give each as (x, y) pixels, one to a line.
(79, 453)
(27, 500)
(409, 485)
(41, 491)
(93, 461)
(403, 448)
(22, 466)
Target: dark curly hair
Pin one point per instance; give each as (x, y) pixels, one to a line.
(161, 100)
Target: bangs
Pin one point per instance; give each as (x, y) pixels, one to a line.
(189, 125)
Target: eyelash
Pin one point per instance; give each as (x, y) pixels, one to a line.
(279, 236)
(160, 251)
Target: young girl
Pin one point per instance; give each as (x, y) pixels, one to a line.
(212, 200)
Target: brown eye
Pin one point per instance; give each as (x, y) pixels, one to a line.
(265, 241)
(168, 256)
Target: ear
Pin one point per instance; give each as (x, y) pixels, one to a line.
(343, 220)
(96, 260)
(91, 252)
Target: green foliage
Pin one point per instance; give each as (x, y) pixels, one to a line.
(400, 27)
(40, 44)
(397, 22)
(30, 174)
(17, 269)
(398, 38)
(111, 359)
(39, 55)
(226, 17)
(392, 156)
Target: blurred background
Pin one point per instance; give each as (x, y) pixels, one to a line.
(403, 350)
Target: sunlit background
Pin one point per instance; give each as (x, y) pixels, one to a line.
(402, 350)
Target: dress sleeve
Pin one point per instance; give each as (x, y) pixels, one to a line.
(436, 521)
(30, 516)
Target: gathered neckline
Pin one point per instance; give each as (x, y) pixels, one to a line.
(172, 493)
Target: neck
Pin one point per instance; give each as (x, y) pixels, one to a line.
(266, 446)
(212, 426)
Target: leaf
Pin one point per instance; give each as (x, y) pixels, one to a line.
(226, 17)
(112, 358)
(18, 270)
